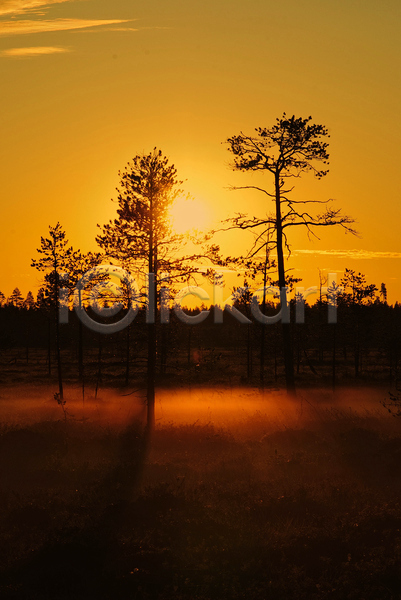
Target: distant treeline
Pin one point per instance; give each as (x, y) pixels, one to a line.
(363, 344)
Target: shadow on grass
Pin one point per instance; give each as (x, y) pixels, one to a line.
(66, 491)
(304, 513)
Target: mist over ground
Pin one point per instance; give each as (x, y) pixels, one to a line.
(241, 494)
(223, 407)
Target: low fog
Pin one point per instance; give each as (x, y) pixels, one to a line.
(222, 407)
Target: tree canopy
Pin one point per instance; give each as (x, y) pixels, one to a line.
(291, 147)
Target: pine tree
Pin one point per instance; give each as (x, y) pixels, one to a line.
(141, 237)
(16, 299)
(54, 262)
(290, 147)
(29, 302)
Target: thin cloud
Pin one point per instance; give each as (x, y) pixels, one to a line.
(355, 254)
(19, 7)
(132, 28)
(121, 29)
(34, 51)
(9, 28)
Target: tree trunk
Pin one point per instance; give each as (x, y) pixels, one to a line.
(189, 345)
(152, 279)
(262, 354)
(356, 351)
(80, 350)
(27, 332)
(81, 359)
(99, 365)
(151, 376)
(263, 332)
(49, 349)
(248, 353)
(334, 357)
(58, 352)
(285, 327)
(127, 356)
(163, 349)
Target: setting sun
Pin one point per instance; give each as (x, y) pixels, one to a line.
(189, 214)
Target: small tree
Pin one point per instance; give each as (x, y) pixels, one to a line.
(383, 293)
(356, 294)
(28, 305)
(356, 291)
(29, 302)
(16, 300)
(288, 149)
(80, 263)
(55, 256)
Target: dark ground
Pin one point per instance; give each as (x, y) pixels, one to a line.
(298, 501)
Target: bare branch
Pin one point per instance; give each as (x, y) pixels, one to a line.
(250, 187)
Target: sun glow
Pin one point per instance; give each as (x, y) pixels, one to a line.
(187, 215)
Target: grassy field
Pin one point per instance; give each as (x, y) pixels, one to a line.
(265, 500)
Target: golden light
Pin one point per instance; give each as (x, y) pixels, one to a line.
(188, 214)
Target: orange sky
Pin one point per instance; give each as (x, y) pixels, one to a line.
(87, 84)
